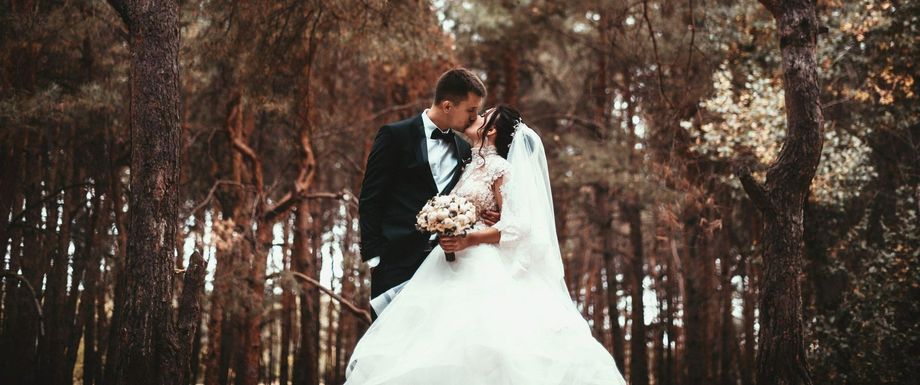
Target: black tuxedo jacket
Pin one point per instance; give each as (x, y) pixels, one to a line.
(397, 183)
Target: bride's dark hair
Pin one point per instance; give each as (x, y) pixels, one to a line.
(504, 118)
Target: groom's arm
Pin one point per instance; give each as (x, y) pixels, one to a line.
(377, 174)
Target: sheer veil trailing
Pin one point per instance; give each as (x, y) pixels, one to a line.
(528, 224)
(497, 315)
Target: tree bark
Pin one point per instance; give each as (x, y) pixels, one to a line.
(189, 315)
(638, 363)
(781, 355)
(616, 332)
(697, 303)
(306, 363)
(51, 347)
(747, 311)
(91, 359)
(287, 313)
(145, 344)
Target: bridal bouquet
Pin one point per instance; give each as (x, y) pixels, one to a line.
(446, 215)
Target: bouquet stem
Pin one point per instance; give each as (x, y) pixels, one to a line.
(451, 257)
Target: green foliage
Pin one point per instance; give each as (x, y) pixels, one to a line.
(874, 336)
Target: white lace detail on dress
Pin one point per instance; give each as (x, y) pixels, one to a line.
(476, 182)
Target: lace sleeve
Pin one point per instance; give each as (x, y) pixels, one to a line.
(496, 168)
(510, 224)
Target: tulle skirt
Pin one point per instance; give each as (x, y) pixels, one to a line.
(472, 322)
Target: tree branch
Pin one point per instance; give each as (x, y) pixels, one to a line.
(210, 195)
(291, 199)
(755, 190)
(362, 314)
(651, 33)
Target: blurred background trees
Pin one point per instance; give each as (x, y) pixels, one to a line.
(647, 108)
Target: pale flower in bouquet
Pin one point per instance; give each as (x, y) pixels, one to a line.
(446, 215)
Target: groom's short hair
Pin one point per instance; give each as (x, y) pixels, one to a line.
(456, 84)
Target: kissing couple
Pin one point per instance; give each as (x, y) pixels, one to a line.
(499, 313)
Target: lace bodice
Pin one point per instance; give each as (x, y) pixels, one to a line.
(476, 182)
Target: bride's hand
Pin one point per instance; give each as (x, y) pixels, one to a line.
(454, 244)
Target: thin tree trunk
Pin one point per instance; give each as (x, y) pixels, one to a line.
(287, 312)
(781, 354)
(18, 311)
(598, 301)
(91, 361)
(616, 332)
(189, 314)
(342, 327)
(331, 325)
(671, 373)
(146, 347)
(248, 374)
(306, 363)
(638, 351)
(52, 348)
(212, 361)
(747, 311)
(118, 267)
(697, 319)
(727, 376)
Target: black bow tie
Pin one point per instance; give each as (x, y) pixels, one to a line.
(438, 134)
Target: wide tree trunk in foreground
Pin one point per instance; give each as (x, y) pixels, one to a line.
(146, 350)
(781, 355)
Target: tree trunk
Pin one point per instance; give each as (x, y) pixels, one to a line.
(616, 332)
(91, 359)
(51, 347)
(671, 298)
(189, 315)
(697, 303)
(216, 321)
(747, 311)
(287, 313)
(598, 299)
(728, 340)
(248, 373)
(146, 348)
(638, 362)
(306, 363)
(781, 355)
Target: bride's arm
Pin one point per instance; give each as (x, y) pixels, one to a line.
(489, 234)
(486, 235)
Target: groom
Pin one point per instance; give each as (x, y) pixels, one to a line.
(410, 162)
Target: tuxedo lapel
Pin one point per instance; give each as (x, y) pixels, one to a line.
(421, 150)
(463, 155)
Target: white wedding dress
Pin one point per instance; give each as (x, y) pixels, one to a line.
(488, 318)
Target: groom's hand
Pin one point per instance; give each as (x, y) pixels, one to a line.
(491, 217)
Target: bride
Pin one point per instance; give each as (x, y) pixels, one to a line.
(500, 313)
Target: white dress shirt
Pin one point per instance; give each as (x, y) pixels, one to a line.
(441, 160)
(440, 154)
